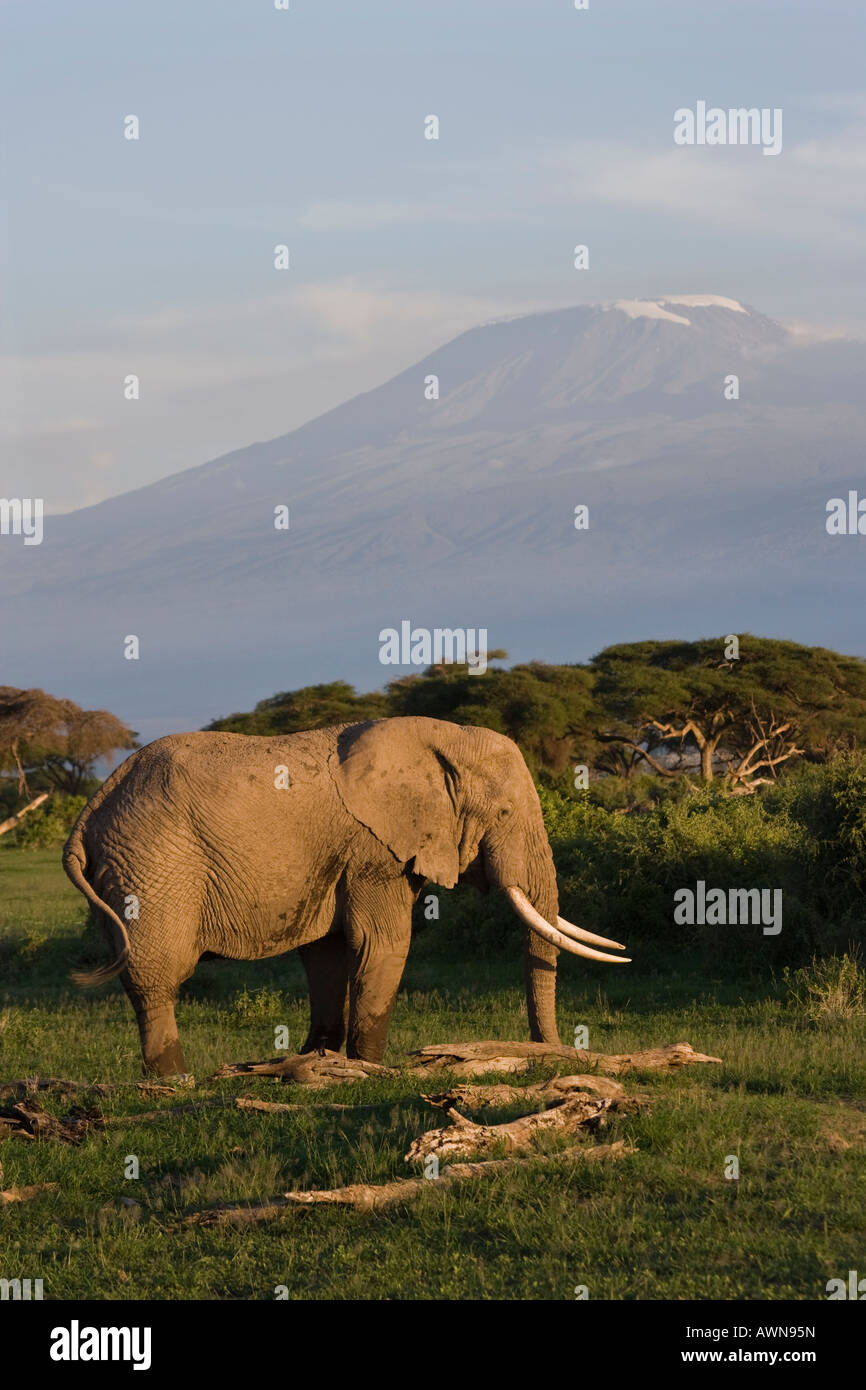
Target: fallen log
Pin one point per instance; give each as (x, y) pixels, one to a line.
(373, 1197)
(465, 1139)
(473, 1059)
(495, 1095)
(316, 1069)
(469, 1059)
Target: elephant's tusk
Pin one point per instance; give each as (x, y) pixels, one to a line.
(578, 934)
(523, 907)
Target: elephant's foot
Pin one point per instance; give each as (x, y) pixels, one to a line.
(369, 1049)
(169, 1061)
(160, 1045)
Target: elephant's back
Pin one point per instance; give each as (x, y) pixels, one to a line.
(216, 785)
(221, 758)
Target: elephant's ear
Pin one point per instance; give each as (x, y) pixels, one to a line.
(396, 782)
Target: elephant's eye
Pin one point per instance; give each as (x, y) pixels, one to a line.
(504, 812)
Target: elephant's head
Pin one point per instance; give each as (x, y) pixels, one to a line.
(452, 801)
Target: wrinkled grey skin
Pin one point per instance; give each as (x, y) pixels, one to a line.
(224, 864)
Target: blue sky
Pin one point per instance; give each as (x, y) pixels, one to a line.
(306, 127)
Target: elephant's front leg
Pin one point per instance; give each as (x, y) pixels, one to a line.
(378, 929)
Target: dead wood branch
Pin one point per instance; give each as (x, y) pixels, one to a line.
(29, 1121)
(602, 1153)
(465, 1139)
(24, 1194)
(373, 1197)
(473, 1059)
(494, 1096)
(317, 1069)
(27, 1086)
(12, 821)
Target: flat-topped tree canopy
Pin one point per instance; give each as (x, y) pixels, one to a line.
(747, 704)
(40, 733)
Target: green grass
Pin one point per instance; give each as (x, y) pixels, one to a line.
(663, 1224)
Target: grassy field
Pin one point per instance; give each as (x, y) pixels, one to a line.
(663, 1224)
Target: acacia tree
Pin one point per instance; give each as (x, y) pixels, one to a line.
(311, 707)
(669, 706)
(744, 716)
(56, 739)
(543, 708)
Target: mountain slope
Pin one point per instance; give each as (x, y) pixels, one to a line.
(459, 511)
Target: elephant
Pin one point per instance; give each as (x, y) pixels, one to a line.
(221, 845)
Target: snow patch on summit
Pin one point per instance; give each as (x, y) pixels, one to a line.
(655, 308)
(705, 301)
(648, 309)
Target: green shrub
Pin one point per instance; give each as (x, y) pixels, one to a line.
(261, 1004)
(829, 802)
(828, 989)
(48, 825)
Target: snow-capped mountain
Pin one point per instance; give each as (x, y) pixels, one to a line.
(707, 506)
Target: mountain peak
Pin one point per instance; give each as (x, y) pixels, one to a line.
(656, 308)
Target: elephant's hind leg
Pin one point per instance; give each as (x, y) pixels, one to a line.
(152, 990)
(160, 1045)
(326, 964)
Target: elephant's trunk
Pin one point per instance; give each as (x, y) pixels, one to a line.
(540, 954)
(520, 862)
(539, 962)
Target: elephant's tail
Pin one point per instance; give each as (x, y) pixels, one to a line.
(75, 864)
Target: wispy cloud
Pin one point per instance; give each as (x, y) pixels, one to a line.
(814, 192)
